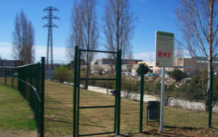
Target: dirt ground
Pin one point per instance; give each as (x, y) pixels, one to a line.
(180, 132)
(176, 132)
(17, 133)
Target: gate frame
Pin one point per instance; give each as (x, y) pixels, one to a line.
(76, 91)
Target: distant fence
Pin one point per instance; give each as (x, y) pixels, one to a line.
(29, 81)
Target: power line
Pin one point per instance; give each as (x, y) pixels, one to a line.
(50, 25)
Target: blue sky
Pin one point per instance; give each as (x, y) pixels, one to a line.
(153, 15)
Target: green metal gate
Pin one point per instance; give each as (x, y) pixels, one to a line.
(95, 113)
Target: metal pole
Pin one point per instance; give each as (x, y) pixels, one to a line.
(32, 99)
(74, 91)
(162, 99)
(78, 93)
(118, 89)
(5, 77)
(12, 78)
(210, 99)
(115, 111)
(141, 98)
(42, 94)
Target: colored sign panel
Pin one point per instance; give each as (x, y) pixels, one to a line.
(164, 49)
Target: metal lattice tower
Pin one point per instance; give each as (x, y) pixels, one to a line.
(50, 25)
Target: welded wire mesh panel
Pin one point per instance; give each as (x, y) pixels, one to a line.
(130, 95)
(183, 103)
(96, 96)
(215, 108)
(96, 120)
(96, 103)
(97, 64)
(129, 121)
(3, 76)
(7, 75)
(26, 79)
(2, 80)
(59, 99)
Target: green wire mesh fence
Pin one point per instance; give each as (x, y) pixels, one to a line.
(29, 85)
(97, 112)
(184, 101)
(29, 81)
(59, 99)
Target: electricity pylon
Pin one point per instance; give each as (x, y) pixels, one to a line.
(50, 25)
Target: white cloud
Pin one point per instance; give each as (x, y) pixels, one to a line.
(5, 50)
(181, 53)
(40, 51)
(145, 56)
(58, 52)
(2, 44)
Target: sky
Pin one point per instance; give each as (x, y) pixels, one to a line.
(153, 15)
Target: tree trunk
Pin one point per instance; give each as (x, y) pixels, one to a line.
(206, 104)
(117, 35)
(210, 41)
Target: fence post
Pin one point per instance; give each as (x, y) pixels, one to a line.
(78, 93)
(118, 89)
(42, 94)
(5, 77)
(12, 77)
(74, 91)
(18, 76)
(141, 98)
(210, 99)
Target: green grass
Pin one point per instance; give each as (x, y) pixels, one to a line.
(15, 112)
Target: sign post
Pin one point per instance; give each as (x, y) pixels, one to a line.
(164, 48)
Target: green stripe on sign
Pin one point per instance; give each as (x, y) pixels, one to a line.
(165, 34)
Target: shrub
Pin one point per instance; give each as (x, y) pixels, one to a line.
(158, 86)
(195, 81)
(215, 82)
(102, 83)
(169, 72)
(146, 70)
(171, 88)
(100, 71)
(62, 73)
(204, 76)
(177, 74)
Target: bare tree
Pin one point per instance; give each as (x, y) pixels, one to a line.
(119, 24)
(91, 34)
(23, 39)
(85, 32)
(197, 20)
(76, 30)
(178, 54)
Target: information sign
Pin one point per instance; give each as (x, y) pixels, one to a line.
(164, 49)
